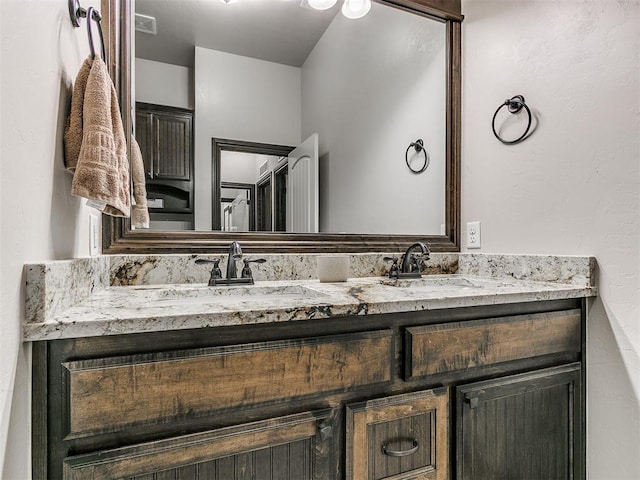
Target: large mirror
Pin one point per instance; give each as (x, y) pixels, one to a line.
(230, 102)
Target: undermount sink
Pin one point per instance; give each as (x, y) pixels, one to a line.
(435, 281)
(201, 293)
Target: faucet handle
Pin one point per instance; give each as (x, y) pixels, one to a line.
(216, 273)
(418, 262)
(394, 269)
(246, 270)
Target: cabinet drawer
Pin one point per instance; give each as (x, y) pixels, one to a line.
(450, 347)
(285, 447)
(402, 437)
(112, 394)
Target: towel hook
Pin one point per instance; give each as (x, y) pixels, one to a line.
(76, 12)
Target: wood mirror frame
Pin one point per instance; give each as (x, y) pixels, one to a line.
(118, 238)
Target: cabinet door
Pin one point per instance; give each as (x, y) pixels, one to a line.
(402, 437)
(172, 147)
(296, 447)
(522, 427)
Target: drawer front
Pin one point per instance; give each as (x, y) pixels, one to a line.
(437, 349)
(285, 447)
(402, 437)
(112, 394)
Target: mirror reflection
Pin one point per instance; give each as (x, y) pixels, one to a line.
(219, 86)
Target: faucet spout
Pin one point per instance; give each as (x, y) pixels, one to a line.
(409, 261)
(235, 252)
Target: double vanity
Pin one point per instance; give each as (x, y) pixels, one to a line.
(474, 370)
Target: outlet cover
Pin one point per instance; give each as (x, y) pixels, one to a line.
(473, 235)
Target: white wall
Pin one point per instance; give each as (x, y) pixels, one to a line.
(370, 88)
(240, 98)
(163, 84)
(574, 186)
(40, 54)
(239, 167)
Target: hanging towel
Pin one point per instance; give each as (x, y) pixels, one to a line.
(139, 211)
(73, 129)
(102, 170)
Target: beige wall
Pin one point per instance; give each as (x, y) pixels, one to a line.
(573, 187)
(40, 54)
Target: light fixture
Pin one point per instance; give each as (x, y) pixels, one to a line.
(356, 8)
(322, 4)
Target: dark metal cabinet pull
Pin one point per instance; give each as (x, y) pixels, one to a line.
(402, 453)
(325, 431)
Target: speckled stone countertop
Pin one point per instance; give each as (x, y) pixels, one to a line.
(118, 295)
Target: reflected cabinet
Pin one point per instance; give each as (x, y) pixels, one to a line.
(165, 136)
(472, 393)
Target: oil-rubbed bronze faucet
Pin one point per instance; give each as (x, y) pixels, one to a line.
(411, 265)
(235, 252)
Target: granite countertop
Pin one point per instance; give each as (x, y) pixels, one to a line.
(109, 309)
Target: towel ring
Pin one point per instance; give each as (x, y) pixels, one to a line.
(418, 145)
(76, 12)
(93, 14)
(514, 105)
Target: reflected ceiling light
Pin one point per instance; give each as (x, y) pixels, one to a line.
(227, 2)
(356, 8)
(322, 4)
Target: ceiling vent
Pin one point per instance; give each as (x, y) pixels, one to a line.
(145, 24)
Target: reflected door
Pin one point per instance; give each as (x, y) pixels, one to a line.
(303, 187)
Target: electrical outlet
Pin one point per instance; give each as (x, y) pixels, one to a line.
(473, 235)
(94, 236)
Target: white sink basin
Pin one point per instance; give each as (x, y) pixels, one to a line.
(189, 294)
(436, 281)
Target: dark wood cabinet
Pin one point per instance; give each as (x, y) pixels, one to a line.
(165, 136)
(401, 437)
(468, 393)
(521, 427)
(290, 447)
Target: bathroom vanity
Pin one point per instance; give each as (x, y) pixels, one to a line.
(451, 376)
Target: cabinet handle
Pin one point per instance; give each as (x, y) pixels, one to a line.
(402, 453)
(473, 399)
(325, 431)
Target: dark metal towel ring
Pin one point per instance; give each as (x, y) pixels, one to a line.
(418, 145)
(76, 12)
(514, 105)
